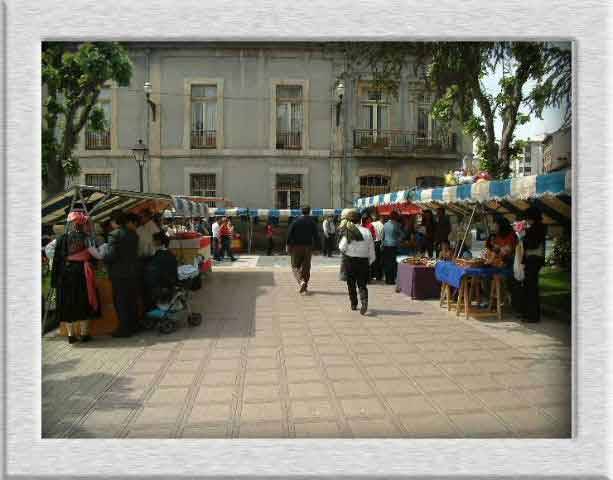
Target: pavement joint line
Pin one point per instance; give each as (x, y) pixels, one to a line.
(194, 389)
(124, 431)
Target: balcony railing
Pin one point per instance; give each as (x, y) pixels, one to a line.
(98, 140)
(403, 141)
(204, 139)
(289, 140)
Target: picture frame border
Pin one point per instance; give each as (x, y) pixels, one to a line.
(28, 23)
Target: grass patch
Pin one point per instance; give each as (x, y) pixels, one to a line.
(556, 290)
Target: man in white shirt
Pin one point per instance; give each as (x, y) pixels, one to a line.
(358, 248)
(377, 268)
(215, 230)
(145, 232)
(329, 235)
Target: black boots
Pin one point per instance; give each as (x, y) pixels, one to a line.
(364, 300)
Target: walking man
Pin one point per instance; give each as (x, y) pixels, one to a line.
(329, 235)
(358, 249)
(377, 268)
(301, 236)
(392, 235)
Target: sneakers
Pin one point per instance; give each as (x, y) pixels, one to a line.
(363, 308)
(303, 287)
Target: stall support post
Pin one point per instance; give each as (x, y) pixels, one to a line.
(470, 221)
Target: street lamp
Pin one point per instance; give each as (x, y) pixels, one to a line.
(148, 88)
(339, 91)
(139, 153)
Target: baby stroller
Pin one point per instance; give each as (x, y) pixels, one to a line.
(173, 306)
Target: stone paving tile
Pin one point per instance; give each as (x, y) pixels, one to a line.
(307, 390)
(479, 425)
(274, 364)
(362, 407)
(312, 409)
(317, 430)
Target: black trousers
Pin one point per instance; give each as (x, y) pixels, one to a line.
(377, 267)
(216, 248)
(270, 246)
(329, 245)
(226, 247)
(390, 267)
(356, 271)
(125, 298)
(531, 296)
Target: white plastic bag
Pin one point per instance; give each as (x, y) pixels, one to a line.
(518, 266)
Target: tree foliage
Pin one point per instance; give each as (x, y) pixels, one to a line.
(73, 75)
(454, 72)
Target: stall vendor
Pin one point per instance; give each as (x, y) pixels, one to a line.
(73, 276)
(533, 261)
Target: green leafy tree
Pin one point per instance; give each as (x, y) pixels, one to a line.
(536, 75)
(73, 75)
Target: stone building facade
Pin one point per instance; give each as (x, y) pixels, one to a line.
(261, 125)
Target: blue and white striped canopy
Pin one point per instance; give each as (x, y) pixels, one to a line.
(522, 188)
(271, 213)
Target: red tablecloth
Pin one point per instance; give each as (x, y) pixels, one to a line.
(417, 281)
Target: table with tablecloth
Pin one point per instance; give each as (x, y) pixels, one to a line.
(417, 281)
(452, 275)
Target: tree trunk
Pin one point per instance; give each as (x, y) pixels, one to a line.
(56, 178)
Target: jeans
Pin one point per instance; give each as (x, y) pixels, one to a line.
(226, 247)
(125, 297)
(390, 267)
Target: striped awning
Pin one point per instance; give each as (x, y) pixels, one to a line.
(550, 192)
(101, 202)
(271, 213)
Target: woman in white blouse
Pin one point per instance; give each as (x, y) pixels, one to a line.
(358, 249)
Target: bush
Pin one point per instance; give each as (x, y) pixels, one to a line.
(561, 255)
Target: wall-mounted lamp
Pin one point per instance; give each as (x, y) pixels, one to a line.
(339, 91)
(148, 88)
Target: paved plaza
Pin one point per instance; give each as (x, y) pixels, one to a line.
(267, 362)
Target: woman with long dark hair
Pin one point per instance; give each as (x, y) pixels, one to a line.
(533, 261)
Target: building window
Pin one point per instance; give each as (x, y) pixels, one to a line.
(425, 123)
(289, 117)
(101, 140)
(204, 116)
(371, 185)
(203, 185)
(289, 190)
(100, 180)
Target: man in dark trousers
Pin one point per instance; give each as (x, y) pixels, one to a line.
(123, 268)
(301, 236)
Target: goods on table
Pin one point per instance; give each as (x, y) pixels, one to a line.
(429, 262)
(469, 263)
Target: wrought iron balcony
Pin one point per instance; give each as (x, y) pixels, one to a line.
(403, 141)
(204, 139)
(98, 140)
(289, 140)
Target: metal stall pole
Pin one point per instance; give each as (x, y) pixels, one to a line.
(470, 221)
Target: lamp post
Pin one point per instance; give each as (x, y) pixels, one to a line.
(139, 153)
(148, 89)
(339, 91)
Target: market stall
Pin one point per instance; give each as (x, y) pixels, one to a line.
(99, 204)
(549, 193)
(416, 279)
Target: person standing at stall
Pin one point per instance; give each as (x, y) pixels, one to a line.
(442, 230)
(392, 236)
(329, 231)
(216, 243)
(533, 261)
(73, 276)
(377, 268)
(122, 262)
(301, 236)
(358, 248)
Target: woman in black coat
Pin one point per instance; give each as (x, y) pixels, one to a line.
(534, 259)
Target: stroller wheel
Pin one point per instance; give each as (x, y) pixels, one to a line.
(168, 326)
(148, 322)
(195, 319)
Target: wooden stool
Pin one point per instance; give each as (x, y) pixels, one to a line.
(446, 296)
(497, 295)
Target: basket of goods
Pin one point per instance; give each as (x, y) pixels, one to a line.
(492, 259)
(413, 260)
(469, 262)
(429, 262)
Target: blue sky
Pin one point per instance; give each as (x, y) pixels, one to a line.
(552, 117)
